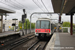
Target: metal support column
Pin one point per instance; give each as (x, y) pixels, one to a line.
(30, 22)
(26, 27)
(71, 29)
(23, 29)
(15, 25)
(1, 23)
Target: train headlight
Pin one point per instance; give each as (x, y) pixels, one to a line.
(37, 30)
(48, 31)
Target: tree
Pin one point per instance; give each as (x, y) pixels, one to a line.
(66, 24)
(20, 25)
(32, 25)
(28, 24)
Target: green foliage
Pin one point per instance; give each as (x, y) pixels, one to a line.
(66, 24)
(28, 25)
(32, 25)
(73, 25)
(20, 25)
(12, 28)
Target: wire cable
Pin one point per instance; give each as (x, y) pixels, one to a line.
(37, 5)
(21, 4)
(44, 5)
(14, 4)
(8, 5)
(18, 4)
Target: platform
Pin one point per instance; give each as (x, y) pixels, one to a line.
(61, 41)
(8, 33)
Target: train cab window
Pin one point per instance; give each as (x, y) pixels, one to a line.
(45, 24)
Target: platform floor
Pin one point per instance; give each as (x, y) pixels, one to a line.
(7, 33)
(61, 41)
(67, 41)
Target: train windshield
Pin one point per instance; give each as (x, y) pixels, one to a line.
(43, 24)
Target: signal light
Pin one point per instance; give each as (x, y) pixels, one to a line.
(36, 30)
(48, 31)
(59, 19)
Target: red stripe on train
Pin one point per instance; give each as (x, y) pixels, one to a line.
(42, 30)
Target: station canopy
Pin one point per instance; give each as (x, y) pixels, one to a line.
(63, 6)
(6, 10)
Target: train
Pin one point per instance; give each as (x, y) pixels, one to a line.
(44, 28)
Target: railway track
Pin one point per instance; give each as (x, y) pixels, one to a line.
(6, 39)
(13, 44)
(39, 45)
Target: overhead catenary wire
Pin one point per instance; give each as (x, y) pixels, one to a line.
(37, 5)
(12, 3)
(44, 5)
(15, 5)
(8, 5)
(21, 4)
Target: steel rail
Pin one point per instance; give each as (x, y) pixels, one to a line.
(17, 42)
(33, 45)
(37, 46)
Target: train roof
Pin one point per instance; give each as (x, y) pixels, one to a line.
(43, 19)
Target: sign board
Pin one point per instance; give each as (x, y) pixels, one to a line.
(60, 28)
(13, 24)
(20, 27)
(54, 27)
(9, 26)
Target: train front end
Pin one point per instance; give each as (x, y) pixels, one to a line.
(42, 29)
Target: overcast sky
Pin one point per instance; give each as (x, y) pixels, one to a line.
(30, 6)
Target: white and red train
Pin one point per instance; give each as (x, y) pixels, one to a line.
(43, 28)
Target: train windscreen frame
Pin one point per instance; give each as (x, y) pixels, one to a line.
(42, 24)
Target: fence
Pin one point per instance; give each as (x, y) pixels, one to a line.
(66, 29)
(28, 31)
